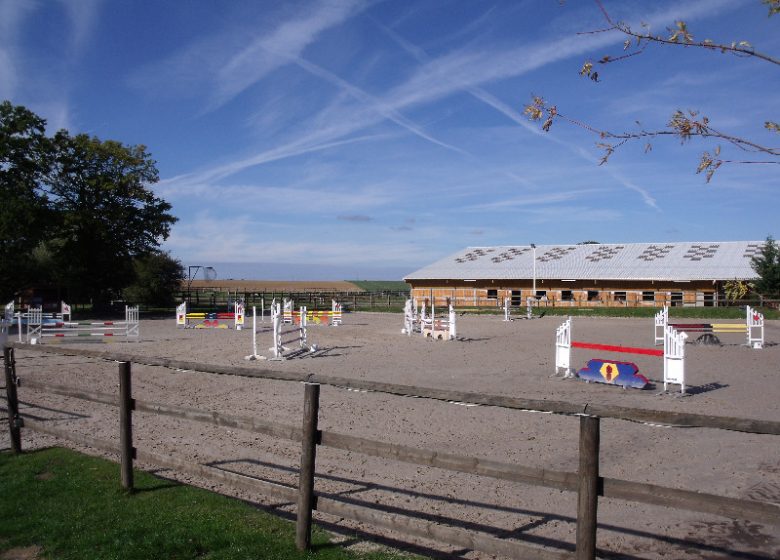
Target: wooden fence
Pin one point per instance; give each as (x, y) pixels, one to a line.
(586, 482)
(204, 298)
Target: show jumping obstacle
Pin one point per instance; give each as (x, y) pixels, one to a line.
(210, 319)
(673, 353)
(21, 319)
(332, 317)
(279, 348)
(529, 311)
(442, 328)
(39, 328)
(752, 328)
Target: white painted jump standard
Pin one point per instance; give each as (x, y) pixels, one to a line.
(673, 354)
(411, 318)
(279, 346)
(436, 328)
(38, 330)
(529, 312)
(10, 317)
(754, 327)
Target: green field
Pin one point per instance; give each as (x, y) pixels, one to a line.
(57, 503)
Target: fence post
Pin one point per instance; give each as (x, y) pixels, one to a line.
(126, 406)
(14, 421)
(588, 489)
(311, 406)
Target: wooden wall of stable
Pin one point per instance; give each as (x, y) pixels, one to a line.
(617, 293)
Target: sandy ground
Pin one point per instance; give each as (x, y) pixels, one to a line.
(491, 356)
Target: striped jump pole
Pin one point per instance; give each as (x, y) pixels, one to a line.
(673, 352)
(210, 319)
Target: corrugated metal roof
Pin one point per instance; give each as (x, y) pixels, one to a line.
(711, 260)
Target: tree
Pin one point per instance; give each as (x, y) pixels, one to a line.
(767, 266)
(75, 210)
(683, 125)
(107, 215)
(158, 277)
(25, 157)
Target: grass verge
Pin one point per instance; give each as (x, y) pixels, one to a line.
(72, 506)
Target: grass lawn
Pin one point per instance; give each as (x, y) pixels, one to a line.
(57, 503)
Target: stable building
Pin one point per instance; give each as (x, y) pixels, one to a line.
(626, 274)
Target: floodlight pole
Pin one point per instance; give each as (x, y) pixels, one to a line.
(533, 289)
(191, 277)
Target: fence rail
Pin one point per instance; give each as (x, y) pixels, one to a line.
(586, 482)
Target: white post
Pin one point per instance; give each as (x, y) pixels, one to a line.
(302, 328)
(661, 322)
(506, 310)
(563, 347)
(64, 310)
(34, 324)
(754, 323)
(408, 321)
(181, 315)
(452, 325)
(238, 315)
(254, 330)
(674, 357)
(276, 319)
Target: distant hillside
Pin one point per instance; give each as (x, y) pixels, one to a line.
(275, 285)
(381, 285)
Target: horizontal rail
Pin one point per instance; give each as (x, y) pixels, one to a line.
(76, 393)
(458, 463)
(733, 508)
(685, 419)
(610, 488)
(272, 489)
(219, 419)
(567, 481)
(454, 536)
(89, 441)
(613, 348)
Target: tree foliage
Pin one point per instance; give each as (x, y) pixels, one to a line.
(25, 155)
(683, 125)
(157, 277)
(737, 289)
(767, 266)
(90, 211)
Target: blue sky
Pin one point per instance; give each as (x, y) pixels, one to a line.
(343, 139)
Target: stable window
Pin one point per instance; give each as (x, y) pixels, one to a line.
(619, 296)
(593, 295)
(648, 296)
(492, 294)
(517, 298)
(709, 299)
(677, 298)
(541, 294)
(567, 295)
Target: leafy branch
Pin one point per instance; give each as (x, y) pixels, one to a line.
(683, 125)
(638, 41)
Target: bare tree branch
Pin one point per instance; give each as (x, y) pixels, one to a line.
(682, 125)
(679, 35)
